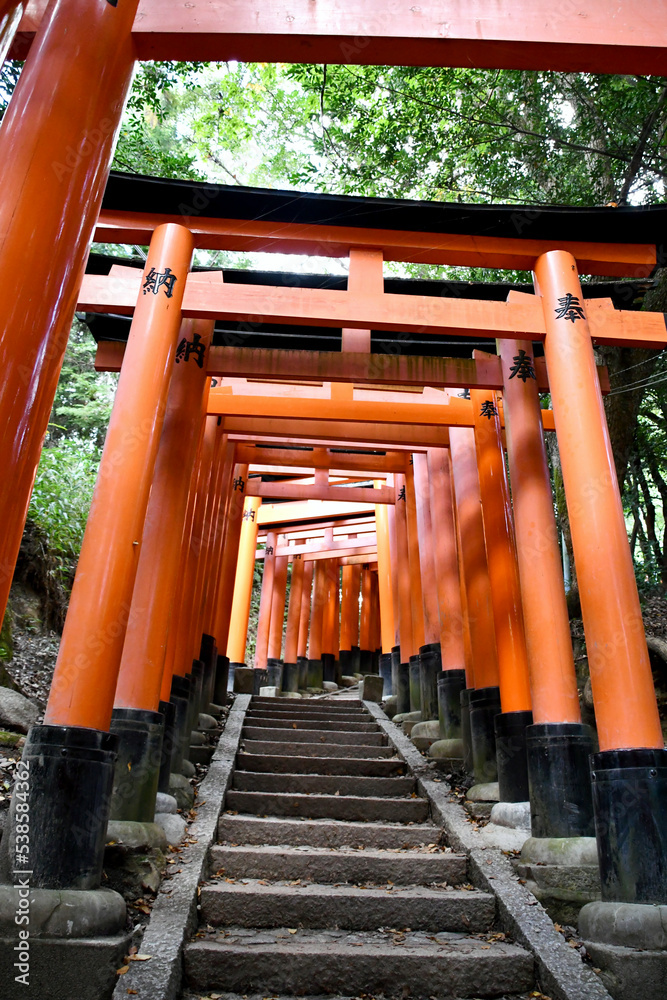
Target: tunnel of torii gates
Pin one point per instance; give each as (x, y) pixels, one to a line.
(325, 415)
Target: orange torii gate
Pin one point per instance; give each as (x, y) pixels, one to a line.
(56, 141)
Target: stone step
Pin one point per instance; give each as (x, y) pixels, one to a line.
(345, 807)
(293, 735)
(329, 784)
(323, 865)
(347, 907)
(261, 713)
(323, 832)
(320, 765)
(291, 722)
(307, 705)
(396, 965)
(280, 749)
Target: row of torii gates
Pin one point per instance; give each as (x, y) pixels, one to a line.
(468, 586)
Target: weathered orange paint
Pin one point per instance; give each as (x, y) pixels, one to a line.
(86, 671)
(393, 560)
(625, 704)
(221, 531)
(427, 549)
(294, 610)
(317, 611)
(240, 609)
(545, 614)
(230, 552)
(416, 590)
(265, 602)
(366, 594)
(278, 597)
(402, 569)
(304, 616)
(330, 630)
(387, 629)
(448, 584)
(154, 594)
(473, 558)
(501, 556)
(56, 140)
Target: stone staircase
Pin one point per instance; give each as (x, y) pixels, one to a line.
(330, 878)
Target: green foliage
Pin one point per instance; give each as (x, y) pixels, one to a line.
(61, 500)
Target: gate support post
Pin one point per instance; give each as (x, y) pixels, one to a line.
(630, 771)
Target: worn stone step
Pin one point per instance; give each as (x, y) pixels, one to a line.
(329, 784)
(308, 963)
(347, 907)
(306, 705)
(261, 713)
(275, 830)
(320, 765)
(263, 746)
(346, 807)
(291, 722)
(293, 735)
(324, 865)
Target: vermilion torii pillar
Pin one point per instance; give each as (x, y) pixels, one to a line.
(137, 702)
(330, 626)
(290, 666)
(304, 623)
(387, 630)
(558, 745)
(315, 676)
(278, 596)
(482, 703)
(56, 140)
(366, 653)
(265, 601)
(240, 610)
(515, 700)
(349, 620)
(630, 771)
(402, 570)
(236, 514)
(81, 699)
(448, 582)
(10, 16)
(430, 654)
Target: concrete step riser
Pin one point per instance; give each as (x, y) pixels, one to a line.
(329, 807)
(266, 713)
(320, 724)
(325, 867)
(334, 737)
(395, 973)
(306, 784)
(319, 833)
(319, 765)
(297, 705)
(263, 746)
(327, 907)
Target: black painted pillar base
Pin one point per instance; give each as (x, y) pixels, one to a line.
(630, 807)
(180, 699)
(430, 669)
(137, 768)
(221, 679)
(329, 667)
(345, 660)
(484, 706)
(395, 664)
(415, 684)
(290, 677)
(511, 758)
(365, 661)
(208, 655)
(64, 786)
(466, 735)
(274, 672)
(260, 679)
(558, 758)
(403, 693)
(355, 660)
(169, 738)
(197, 693)
(377, 653)
(233, 665)
(302, 664)
(450, 685)
(385, 671)
(315, 674)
